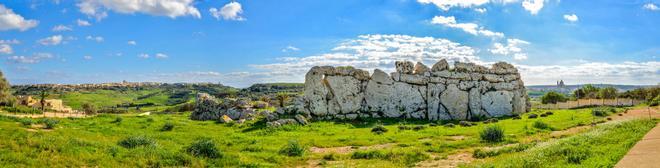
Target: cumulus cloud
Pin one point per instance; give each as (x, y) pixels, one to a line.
(60, 28)
(170, 8)
(446, 5)
(533, 6)
(131, 42)
(95, 38)
(231, 11)
(12, 41)
(471, 28)
(290, 48)
(651, 6)
(83, 22)
(160, 56)
(36, 58)
(52, 40)
(10, 20)
(571, 17)
(512, 48)
(481, 10)
(143, 56)
(6, 49)
(87, 57)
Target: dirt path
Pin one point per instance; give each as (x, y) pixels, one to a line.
(647, 151)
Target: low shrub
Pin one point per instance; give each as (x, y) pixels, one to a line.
(22, 109)
(117, 120)
(330, 157)
(49, 123)
(379, 129)
(492, 133)
(167, 127)
(532, 116)
(369, 154)
(549, 113)
(450, 125)
(480, 154)
(603, 111)
(26, 122)
(419, 127)
(543, 115)
(136, 141)
(404, 127)
(204, 148)
(293, 148)
(465, 123)
(540, 125)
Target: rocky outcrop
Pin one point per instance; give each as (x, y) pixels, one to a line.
(208, 107)
(415, 91)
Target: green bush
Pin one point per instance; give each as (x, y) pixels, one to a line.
(136, 141)
(492, 133)
(26, 122)
(603, 111)
(369, 154)
(204, 148)
(379, 129)
(540, 125)
(167, 127)
(22, 110)
(117, 120)
(49, 123)
(293, 148)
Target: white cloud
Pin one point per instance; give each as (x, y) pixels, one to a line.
(471, 28)
(160, 56)
(10, 20)
(12, 41)
(83, 22)
(97, 38)
(512, 48)
(143, 56)
(533, 6)
(651, 6)
(169, 8)
(481, 10)
(571, 17)
(60, 28)
(290, 48)
(36, 58)
(231, 11)
(131, 42)
(52, 40)
(6, 49)
(447, 4)
(87, 57)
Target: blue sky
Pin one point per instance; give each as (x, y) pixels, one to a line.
(243, 42)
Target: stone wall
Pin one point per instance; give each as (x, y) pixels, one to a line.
(415, 91)
(208, 107)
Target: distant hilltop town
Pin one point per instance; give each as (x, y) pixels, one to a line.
(34, 88)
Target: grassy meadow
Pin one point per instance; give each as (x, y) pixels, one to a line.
(102, 141)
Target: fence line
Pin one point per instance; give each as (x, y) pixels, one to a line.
(590, 102)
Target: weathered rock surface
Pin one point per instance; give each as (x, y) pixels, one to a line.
(208, 107)
(414, 91)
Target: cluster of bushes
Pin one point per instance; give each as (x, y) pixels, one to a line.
(379, 129)
(47, 122)
(293, 148)
(405, 157)
(22, 110)
(492, 133)
(603, 111)
(480, 154)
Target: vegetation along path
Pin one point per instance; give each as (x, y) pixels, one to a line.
(646, 152)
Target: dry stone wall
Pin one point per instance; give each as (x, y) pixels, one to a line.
(415, 91)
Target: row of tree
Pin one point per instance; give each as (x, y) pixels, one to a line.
(590, 92)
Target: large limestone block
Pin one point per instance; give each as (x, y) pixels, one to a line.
(435, 110)
(315, 92)
(379, 98)
(440, 66)
(414, 79)
(503, 68)
(493, 78)
(404, 67)
(408, 98)
(497, 103)
(519, 101)
(456, 101)
(421, 69)
(475, 102)
(347, 92)
(381, 77)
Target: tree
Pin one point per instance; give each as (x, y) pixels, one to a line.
(89, 109)
(5, 93)
(552, 97)
(607, 93)
(587, 91)
(44, 94)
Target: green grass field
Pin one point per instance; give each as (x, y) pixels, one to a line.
(91, 142)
